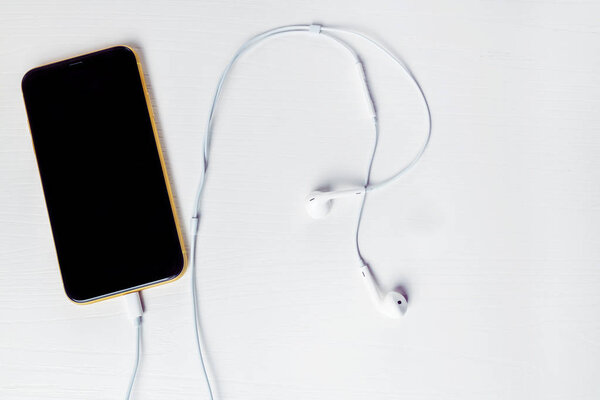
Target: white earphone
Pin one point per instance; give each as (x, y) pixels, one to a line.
(318, 204)
(393, 304)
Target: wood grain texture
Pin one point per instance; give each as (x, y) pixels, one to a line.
(495, 234)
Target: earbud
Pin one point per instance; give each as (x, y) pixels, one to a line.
(319, 203)
(393, 304)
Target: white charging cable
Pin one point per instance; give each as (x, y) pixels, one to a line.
(135, 310)
(329, 34)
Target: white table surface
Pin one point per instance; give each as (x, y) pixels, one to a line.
(495, 234)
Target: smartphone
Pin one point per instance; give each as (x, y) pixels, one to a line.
(104, 180)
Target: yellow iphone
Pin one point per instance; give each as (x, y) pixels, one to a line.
(108, 197)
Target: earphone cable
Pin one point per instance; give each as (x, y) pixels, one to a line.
(365, 194)
(324, 32)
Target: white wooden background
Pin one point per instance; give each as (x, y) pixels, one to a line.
(495, 234)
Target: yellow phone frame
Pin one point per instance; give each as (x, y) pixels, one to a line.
(164, 170)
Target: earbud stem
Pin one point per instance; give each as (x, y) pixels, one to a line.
(370, 284)
(344, 193)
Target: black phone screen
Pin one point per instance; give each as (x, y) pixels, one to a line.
(108, 200)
